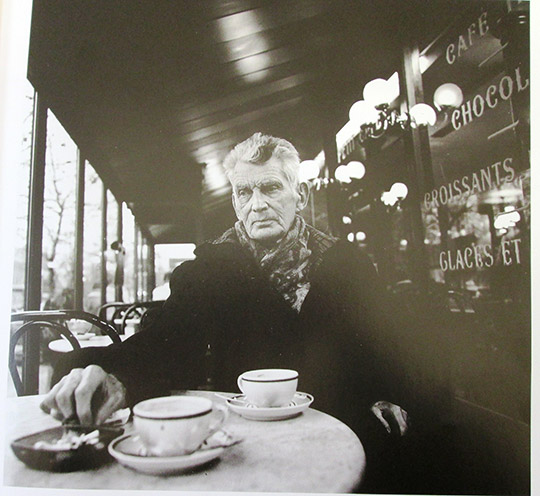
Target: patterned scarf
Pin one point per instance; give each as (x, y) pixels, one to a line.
(287, 263)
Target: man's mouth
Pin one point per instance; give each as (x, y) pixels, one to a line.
(263, 221)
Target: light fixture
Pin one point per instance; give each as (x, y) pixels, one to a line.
(399, 190)
(353, 170)
(388, 199)
(448, 95)
(360, 236)
(350, 237)
(356, 169)
(377, 92)
(346, 219)
(422, 114)
(309, 169)
(509, 218)
(397, 193)
(362, 113)
(373, 115)
(342, 174)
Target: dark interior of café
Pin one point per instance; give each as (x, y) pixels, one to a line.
(155, 94)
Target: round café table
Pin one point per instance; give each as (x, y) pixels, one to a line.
(64, 346)
(312, 452)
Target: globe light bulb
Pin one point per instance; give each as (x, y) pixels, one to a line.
(308, 170)
(362, 113)
(346, 219)
(448, 95)
(388, 198)
(377, 92)
(360, 236)
(350, 237)
(342, 174)
(356, 170)
(509, 218)
(399, 190)
(422, 114)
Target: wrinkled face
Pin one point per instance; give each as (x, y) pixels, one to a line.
(265, 201)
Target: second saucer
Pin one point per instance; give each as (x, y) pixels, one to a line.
(299, 403)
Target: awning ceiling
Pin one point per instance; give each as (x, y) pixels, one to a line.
(156, 92)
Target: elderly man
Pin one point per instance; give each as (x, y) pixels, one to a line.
(272, 291)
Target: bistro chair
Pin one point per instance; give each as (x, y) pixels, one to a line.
(145, 311)
(113, 312)
(55, 321)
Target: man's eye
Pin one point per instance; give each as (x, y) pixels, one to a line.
(270, 188)
(242, 193)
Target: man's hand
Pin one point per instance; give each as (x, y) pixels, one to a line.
(393, 417)
(91, 394)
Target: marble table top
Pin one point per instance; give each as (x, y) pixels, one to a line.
(312, 452)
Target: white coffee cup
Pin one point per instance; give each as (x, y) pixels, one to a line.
(176, 425)
(268, 387)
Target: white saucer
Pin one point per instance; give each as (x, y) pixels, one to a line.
(299, 403)
(126, 450)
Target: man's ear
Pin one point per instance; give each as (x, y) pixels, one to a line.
(303, 196)
(235, 206)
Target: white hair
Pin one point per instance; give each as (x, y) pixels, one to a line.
(259, 149)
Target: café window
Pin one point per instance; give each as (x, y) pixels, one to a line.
(92, 240)
(476, 212)
(21, 206)
(128, 236)
(58, 218)
(113, 256)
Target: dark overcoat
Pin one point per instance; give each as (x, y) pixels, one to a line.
(224, 317)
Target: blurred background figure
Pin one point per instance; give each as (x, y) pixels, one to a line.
(163, 291)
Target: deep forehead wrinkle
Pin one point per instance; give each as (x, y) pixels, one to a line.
(258, 182)
(251, 178)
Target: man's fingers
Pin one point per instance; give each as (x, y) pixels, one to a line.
(57, 414)
(378, 413)
(113, 403)
(92, 378)
(84, 391)
(401, 417)
(393, 417)
(64, 396)
(49, 402)
(115, 398)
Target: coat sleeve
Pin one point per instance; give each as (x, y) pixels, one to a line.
(373, 339)
(168, 354)
(407, 353)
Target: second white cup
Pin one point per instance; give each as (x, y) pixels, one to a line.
(176, 425)
(265, 388)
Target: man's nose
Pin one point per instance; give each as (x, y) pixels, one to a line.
(258, 201)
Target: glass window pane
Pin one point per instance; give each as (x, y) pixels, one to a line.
(128, 234)
(21, 207)
(58, 218)
(112, 216)
(92, 240)
(168, 257)
(476, 215)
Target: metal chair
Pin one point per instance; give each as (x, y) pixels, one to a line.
(143, 310)
(118, 309)
(34, 322)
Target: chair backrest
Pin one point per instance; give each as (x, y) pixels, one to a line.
(140, 310)
(32, 324)
(112, 312)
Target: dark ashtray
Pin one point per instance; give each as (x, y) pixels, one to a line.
(62, 449)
